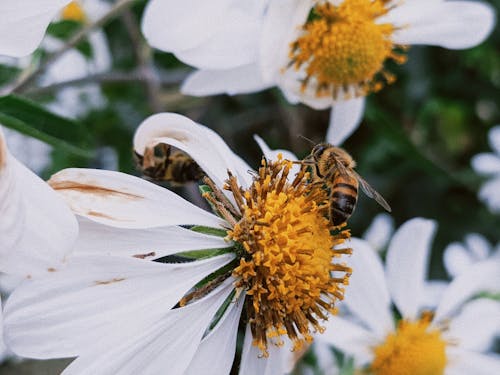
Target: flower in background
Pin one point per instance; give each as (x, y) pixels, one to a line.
(488, 164)
(379, 232)
(452, 338)
(459, 257)
(186, 274)
(326, 54)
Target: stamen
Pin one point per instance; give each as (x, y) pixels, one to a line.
(343, 49)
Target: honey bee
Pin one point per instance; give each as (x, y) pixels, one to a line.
(334, 168)
(164, 163)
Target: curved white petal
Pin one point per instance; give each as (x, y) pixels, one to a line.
(166, 347)
(283, 20)
(456, 258)
(125, 201)
(494, 139)
(345, 117)
(149, 243)
(433, 292)
(380, 231)
(486, 163)
(172, 25)
(449, 24)
(406, 264)
(252, 361)
(233, 46)
(240, 80)
(477, 325)
(479, 246)
(464, 362)
(490, 194)
(215, 354)
(349, 338)
(482, 276)
(367, 295)
(96, 299)
(23, 24)
(37, 229)
(205, 146)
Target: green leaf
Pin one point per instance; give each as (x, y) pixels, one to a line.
(35, 121)
(67, 28)
(209, 230)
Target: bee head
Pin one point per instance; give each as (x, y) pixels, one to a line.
(318, 150)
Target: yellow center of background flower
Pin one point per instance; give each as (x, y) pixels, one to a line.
(73, 12)
(344, 48)
(287, 251)
(414, 349)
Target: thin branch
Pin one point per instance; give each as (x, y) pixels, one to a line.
(172, 77)
(80, 35)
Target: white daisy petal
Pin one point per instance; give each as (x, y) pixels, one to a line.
(350, 338)
(240, 80)
(215, 354)
(190, 22)
(281, 21)
(482, 276)
(345, 117)
(380, 231)
(205, 146)
(406, 264)
(478, 245)
(23, 24)
(486, 163)
(449, 24)
(149, 243)
(490, 194)
(456, 258)
(96, 299)
(226, 50)
(494, 139)
(125, 201)
(367, 290)
(252, 361)
(433, 292)
(477, 325)
(37, 229)
(169, 345)
(463, 362)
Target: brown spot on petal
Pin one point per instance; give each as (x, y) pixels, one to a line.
(107, 282)
(143, 256)
(50, 269)
(103, 215)
(91, 189)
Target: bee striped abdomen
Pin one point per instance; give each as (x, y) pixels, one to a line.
(344, 196)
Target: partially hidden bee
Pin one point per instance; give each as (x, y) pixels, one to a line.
(334, 168)
(165, 163)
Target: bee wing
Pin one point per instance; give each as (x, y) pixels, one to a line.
(371, 192)
(343, 170)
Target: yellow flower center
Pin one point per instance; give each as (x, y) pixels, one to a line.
(343, 48)
(73, 12)
(414, 349)
(287, 246)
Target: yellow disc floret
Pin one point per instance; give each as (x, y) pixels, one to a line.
(414, 349)
(343, 48)
(287, 247)
(73, 12)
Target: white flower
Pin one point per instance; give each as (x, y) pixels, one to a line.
(489, 164)
(379, 232)
(112, 306)
(459, 257)
(320, 60)
(451, 339)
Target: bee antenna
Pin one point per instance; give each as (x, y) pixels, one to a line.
(307, 139)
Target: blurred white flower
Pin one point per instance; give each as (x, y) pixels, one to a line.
(379, 232)
(488, 164)
(112, 307)
(326, 54)
(459, 257)
(453, 338)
